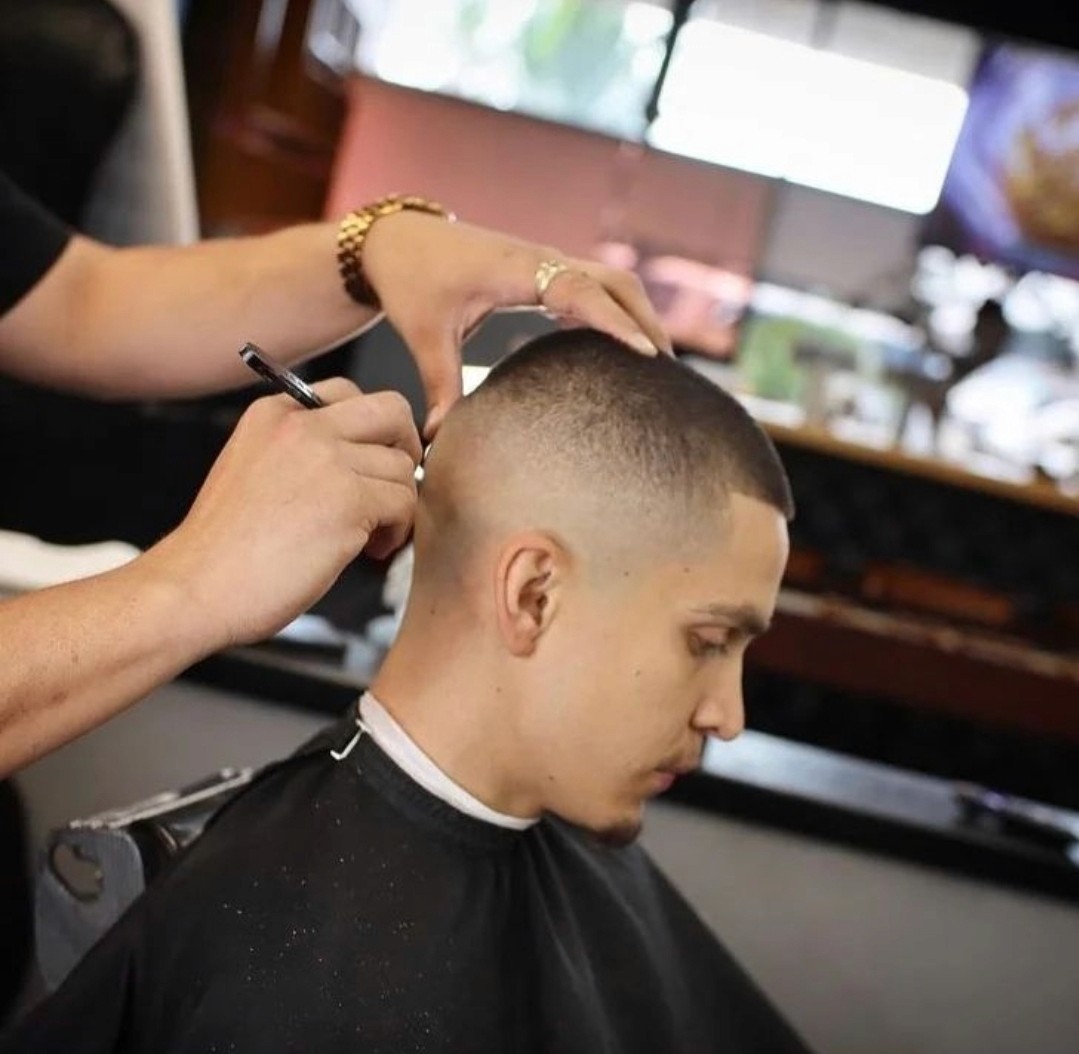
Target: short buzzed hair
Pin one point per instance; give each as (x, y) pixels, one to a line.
(655, 419)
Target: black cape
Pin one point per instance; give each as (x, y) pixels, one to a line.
(338, 906)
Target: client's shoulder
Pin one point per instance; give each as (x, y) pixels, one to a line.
(291, 805)
(287, 802)
(262, 856)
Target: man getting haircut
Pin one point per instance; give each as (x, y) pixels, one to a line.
(598, 538)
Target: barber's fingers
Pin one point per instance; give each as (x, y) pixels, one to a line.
(384, 463)
(628, 290)
(385, 494)
(576, 294)
(386, 510)
(383, 418)
(336, 390)
(436, 350)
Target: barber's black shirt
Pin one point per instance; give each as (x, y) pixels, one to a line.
(31, 240)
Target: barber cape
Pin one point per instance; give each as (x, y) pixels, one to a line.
(344, 906)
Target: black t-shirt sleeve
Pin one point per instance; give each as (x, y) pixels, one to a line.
(32, 239)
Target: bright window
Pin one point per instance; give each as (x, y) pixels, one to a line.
(790, 111)
(872, 112)
(590, 63)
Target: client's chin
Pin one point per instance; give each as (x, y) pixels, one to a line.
(619, 834)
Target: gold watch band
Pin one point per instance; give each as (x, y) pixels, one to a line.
(352, 233)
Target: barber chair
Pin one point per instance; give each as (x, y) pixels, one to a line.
(92, 869)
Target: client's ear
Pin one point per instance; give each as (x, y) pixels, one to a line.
(529, 577)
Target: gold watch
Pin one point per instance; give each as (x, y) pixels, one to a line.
(352, 233)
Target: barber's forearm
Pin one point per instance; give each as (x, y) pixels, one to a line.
(77, 654)
(168, 321)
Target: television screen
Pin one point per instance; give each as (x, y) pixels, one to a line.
(1011, 195)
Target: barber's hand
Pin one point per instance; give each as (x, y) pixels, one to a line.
(294, 496)
(438, 281)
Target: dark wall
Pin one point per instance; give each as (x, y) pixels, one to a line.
(1042, 21)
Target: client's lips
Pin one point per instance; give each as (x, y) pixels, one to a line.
(664, 778)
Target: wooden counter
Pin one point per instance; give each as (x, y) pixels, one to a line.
(986, 678)
(1041, 495)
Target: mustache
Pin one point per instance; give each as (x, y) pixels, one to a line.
(682, 763)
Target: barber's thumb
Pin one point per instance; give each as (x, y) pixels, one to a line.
(435, 416)
(386, 540)
(440, 370)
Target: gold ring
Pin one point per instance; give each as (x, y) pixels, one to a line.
(546, 273)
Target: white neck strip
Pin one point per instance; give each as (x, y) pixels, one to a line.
(394, 741)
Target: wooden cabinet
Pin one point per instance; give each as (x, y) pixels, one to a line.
(266, 110)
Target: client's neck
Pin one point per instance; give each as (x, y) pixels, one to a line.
(437, 683)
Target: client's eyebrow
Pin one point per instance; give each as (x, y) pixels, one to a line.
(742, 617)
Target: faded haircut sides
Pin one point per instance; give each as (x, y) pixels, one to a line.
(583, 395)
